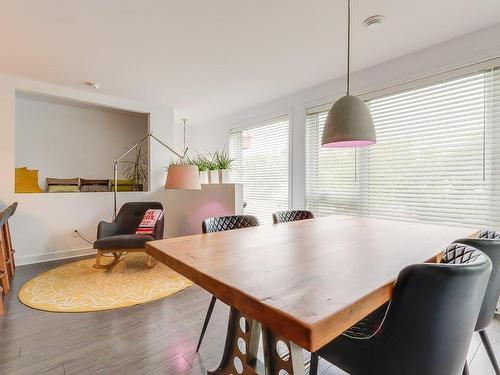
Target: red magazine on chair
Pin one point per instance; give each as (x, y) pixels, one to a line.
(148, 223)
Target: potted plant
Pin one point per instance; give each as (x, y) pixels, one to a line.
(213, 173)
(202, 164)
(224, 165)
(137, 170)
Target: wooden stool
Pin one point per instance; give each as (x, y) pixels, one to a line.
(7, 264)
(11, 264)
(4, 265)
(1, 302)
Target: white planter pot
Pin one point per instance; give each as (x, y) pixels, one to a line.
(204, 177)
(213, 177)
(224, 176)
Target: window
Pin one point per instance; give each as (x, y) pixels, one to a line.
(260, 156)
(436, 159)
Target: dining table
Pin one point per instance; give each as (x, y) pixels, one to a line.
(299, 285)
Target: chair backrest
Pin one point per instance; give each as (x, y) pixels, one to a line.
(222, 223)
(490, 245)
(130, 216)
(292, 215)
(489, 234)
(431, 318)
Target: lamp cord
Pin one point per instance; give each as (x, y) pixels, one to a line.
(184, 134)
(348, 43)
(83, 238)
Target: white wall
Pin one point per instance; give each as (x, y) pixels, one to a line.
(188, 208)
(471, 48)
(64, 139)
(42, 226)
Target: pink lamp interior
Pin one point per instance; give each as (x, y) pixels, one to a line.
(348, 144)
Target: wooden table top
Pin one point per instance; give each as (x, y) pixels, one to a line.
(306, 280)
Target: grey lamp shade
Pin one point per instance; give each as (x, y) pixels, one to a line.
(348, 124)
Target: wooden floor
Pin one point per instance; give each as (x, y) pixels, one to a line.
(154, 338)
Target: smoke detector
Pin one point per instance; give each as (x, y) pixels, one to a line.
(93, 85)
(373, 20)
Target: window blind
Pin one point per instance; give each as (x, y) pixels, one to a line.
(260, 156)
(332, 184)
(437, 157)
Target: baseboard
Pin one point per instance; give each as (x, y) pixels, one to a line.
(66, 254)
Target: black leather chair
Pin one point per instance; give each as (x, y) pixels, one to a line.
(489, 243)
(427, 326)
(118, 237)
(220, 224)
(292, 215)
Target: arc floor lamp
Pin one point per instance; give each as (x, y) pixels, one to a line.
(179, 176)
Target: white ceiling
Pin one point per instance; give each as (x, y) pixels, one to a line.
(211, 58)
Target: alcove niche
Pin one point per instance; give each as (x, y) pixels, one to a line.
(67, 141)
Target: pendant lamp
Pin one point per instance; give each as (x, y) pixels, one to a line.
(349, 122)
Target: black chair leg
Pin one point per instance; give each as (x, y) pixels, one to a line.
(466, 369)
(313, 365)
(489, 350)
(207, 319)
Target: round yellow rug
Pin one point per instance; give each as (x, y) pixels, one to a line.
(79, 287)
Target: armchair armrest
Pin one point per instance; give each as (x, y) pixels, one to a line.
(105, 229)
(158, 232)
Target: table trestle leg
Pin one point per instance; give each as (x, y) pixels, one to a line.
(282, 356)
(242, 343)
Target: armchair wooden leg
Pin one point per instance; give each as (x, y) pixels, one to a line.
(151, 261)
(100, 254)
(98, 260)
(117, 255)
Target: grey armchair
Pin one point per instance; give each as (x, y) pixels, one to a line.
(118, 237)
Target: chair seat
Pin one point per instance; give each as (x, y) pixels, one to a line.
(352, 350)
(367, 326)
(124, 241)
